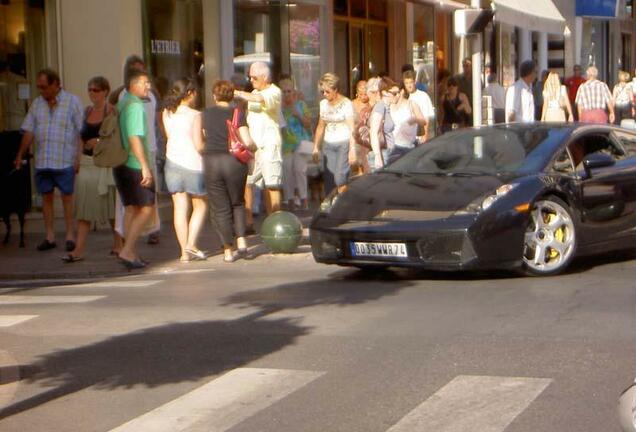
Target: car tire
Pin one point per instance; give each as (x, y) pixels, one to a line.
(550, 238)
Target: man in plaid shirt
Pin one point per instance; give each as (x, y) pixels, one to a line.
(54, 121)
(592, 99)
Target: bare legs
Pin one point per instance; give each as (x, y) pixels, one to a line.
(135, 219)
(67, 202)
(188, 231)
(47, 212)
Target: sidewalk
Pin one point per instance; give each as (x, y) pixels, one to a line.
(28, 263)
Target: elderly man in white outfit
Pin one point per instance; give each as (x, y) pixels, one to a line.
(519, 98)
(263, 119)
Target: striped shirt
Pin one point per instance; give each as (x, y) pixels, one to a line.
(56, 130)
(593, 95)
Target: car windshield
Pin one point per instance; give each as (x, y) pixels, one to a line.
(489, 150)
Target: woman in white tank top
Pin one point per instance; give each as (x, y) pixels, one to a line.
(407, 117)
(184, 166)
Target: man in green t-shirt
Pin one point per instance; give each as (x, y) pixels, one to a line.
(134, 180)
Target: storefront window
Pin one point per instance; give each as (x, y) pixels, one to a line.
(257, 35)
(304, 49)
(361, 39)
(173, 32)
(23, 52)
(594, 46)
(423, 44)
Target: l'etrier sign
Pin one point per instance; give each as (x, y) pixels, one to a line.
(171, 47)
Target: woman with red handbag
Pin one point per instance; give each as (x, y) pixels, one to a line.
(225, 156)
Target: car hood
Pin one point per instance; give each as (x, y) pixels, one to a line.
(392, 196)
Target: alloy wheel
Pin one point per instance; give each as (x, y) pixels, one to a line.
(550, 238)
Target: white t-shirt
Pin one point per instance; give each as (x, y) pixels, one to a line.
(335, 116)
(150, 106)
(424, 103)
(404, 133)
(181, 128)
(263, 118)
(519, 99)
(498, 95)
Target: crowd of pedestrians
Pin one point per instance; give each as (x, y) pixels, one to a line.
(272, 122)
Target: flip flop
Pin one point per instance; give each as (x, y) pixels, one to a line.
(71, 258)
(197, 255)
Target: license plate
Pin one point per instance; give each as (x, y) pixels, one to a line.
(386, 250)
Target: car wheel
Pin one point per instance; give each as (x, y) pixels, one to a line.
(550, 238)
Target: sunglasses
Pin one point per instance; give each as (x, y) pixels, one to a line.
(94, 90)
(253, 78)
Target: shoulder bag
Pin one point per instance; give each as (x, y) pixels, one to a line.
(235, 145)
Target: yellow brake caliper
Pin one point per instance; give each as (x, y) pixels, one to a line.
(559, 235)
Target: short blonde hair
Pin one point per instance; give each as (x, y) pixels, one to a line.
(330, 80)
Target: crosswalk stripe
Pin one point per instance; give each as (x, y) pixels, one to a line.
(223, 402)
(30, 300)
(114, 284)
(11, 320)
(476, 403)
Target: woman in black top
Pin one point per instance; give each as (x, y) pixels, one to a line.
(455, 108)
(225, 176)
(94, 198)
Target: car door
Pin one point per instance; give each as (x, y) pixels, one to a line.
(606, 203)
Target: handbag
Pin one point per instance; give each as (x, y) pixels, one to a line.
(109, 151)
(235, 145)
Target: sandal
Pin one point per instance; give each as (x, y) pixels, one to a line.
(132, 265)
(71, 258)
(197, 255)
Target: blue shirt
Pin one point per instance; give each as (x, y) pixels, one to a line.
(56, 130)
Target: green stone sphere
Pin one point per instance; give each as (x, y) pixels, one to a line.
(282, 232)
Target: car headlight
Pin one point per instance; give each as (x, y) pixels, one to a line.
(327, 204)
(500, 192)
(482, 204)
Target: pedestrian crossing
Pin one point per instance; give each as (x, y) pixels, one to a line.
(7, 321)
(224, 402)
(466, 403)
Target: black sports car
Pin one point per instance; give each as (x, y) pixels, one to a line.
(528, 196)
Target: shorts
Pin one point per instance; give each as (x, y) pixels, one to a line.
(131, 192)
(48, 179)
(180, 179)
(268, 168)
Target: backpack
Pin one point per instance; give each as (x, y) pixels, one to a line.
(109, 151)
(362, 130)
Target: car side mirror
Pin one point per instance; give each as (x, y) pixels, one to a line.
(597, 160)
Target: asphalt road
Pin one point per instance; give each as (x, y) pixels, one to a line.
(283, 344)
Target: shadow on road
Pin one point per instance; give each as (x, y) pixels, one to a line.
(156, 356)
(191, 351)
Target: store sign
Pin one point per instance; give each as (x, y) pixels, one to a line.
(598, 8)
(169, 47)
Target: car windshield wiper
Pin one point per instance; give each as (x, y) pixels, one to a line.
(468, 173)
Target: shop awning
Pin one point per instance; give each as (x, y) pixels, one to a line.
(535, 15)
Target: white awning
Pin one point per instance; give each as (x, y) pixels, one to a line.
(535, 15)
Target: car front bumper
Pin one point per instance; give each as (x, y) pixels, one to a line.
(454, 243)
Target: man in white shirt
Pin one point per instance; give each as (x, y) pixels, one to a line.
(263, 119)
(498, 95)
(519, 99)
(423, 102)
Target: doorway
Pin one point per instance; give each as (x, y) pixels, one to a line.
(360, 39)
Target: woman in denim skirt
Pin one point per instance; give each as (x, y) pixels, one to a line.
(184, 166)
